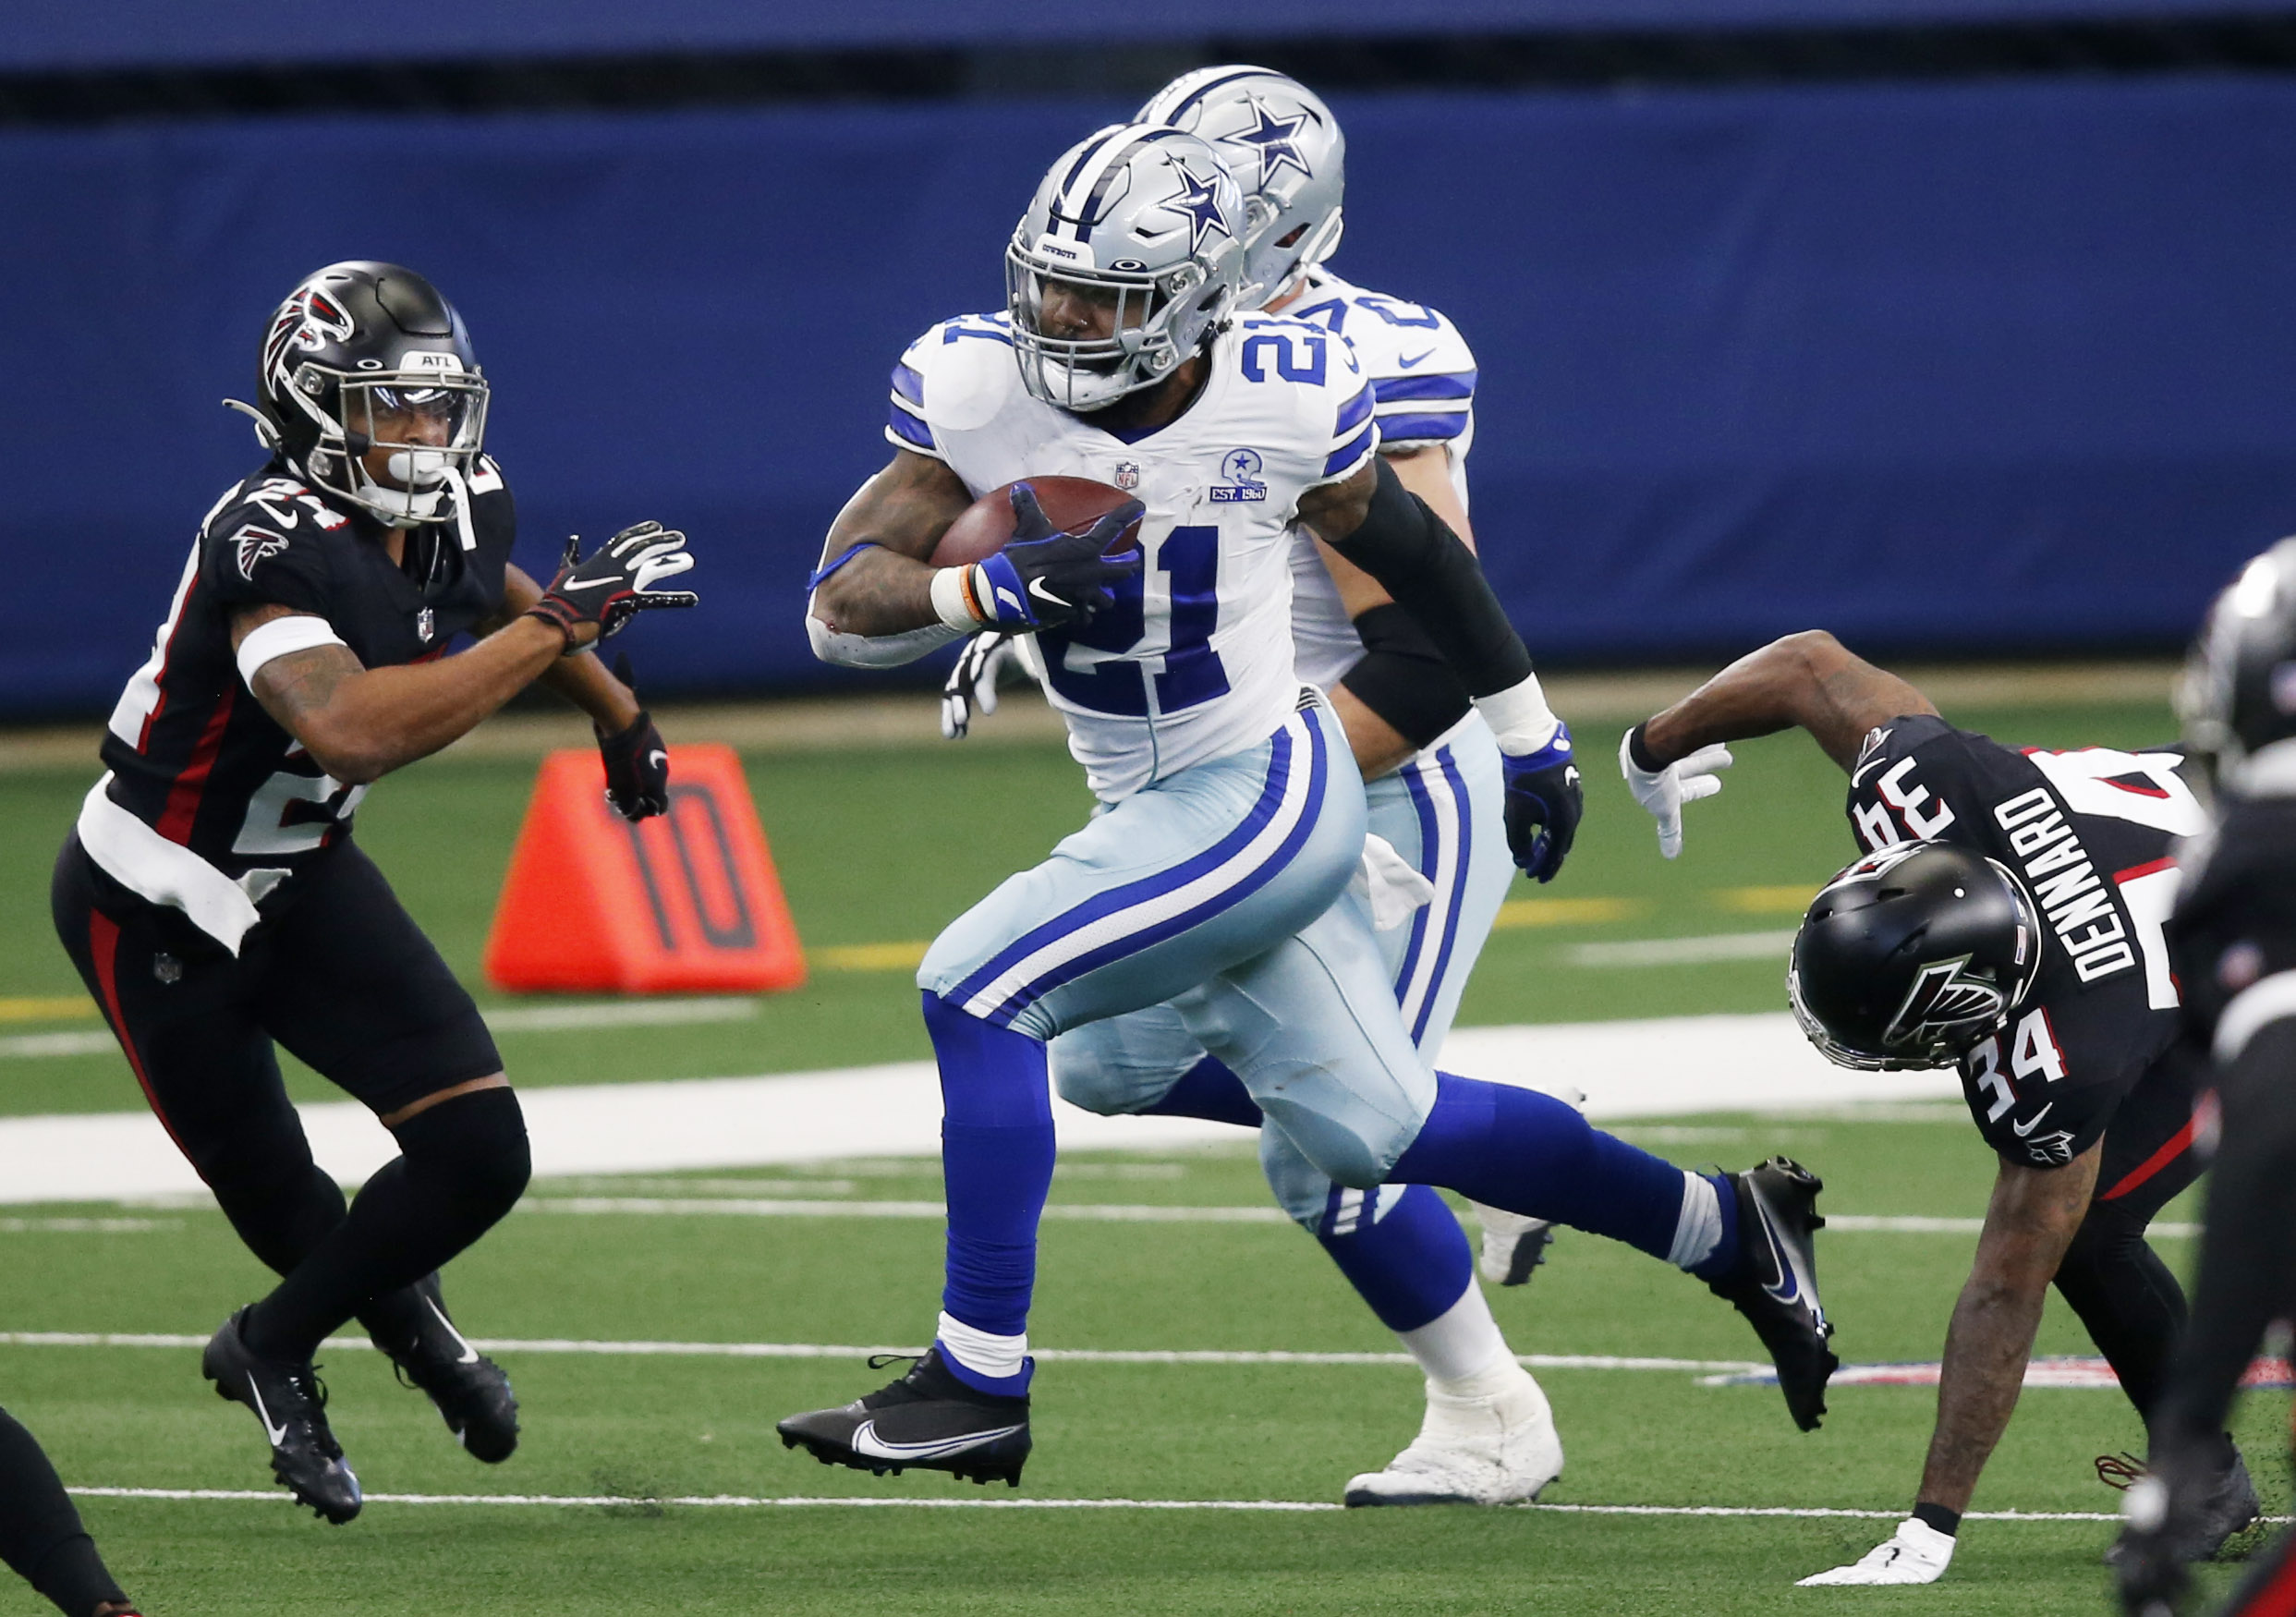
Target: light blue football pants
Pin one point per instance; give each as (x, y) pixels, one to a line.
(1219, 896)
(1442, 812)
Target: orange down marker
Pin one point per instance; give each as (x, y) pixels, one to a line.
(686, 902)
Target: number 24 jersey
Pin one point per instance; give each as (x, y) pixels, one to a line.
(1195, 660)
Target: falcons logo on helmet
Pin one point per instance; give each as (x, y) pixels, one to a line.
(254, 545)
(308, 320)
(1944, 1002)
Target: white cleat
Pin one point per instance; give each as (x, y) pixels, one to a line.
(1513, 1244)
(1498, 1449)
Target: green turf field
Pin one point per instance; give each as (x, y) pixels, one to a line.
(880, 849)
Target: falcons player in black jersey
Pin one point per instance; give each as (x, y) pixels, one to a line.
(2007, 921)
(214, 901)
(2233, 937)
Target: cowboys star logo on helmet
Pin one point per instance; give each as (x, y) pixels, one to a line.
(1278, 142)
(1200, 203)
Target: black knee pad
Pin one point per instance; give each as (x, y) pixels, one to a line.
(474, 1148)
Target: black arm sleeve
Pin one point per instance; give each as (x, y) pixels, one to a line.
(1419, 561)
(1402, 677)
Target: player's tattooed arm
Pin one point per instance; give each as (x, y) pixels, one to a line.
(582, 678)
(887, 530)
(360, 724)
(1809, 680)
(2028, 1224)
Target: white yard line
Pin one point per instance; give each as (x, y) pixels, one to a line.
(800, 1501)
(1668, 1067)
(817, 1350)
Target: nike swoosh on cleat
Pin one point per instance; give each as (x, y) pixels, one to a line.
(276, 1433)
(866, 1442)
(1796, 1287)
(469, 1354)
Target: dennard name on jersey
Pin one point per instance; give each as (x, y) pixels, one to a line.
(1195, 660)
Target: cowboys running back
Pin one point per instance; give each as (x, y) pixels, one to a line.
(2007, 921)
(1434, 795)
(211, 895)
(1217, 873)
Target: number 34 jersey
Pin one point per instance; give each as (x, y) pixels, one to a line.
(1195, 660)
(202, 774)
(2091, 833)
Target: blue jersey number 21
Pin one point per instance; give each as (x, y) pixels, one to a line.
(1192, 673)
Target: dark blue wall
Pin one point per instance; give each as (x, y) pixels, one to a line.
(1977, 368)
(64, 34)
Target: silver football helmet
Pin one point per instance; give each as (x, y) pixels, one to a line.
(1136, 238)
(1286, 152)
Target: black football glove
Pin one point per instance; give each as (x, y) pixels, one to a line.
(637, 764)
(1543, 806)
(616, 581)
(1043, 577)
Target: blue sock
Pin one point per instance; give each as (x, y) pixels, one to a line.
(1209, 1090)
(996, 1158)
(1532, 1154)
(1411, 1266)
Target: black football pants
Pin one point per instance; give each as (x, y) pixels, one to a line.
(41, 1537)
(339, 974)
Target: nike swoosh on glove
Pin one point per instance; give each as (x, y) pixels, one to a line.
(1664, 791)
(1043, 577)
(637, 759)
(615, 581)
(1916, 1553)
(1544, 805)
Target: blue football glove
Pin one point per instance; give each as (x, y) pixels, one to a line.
(1543, 806)
(1044, 578)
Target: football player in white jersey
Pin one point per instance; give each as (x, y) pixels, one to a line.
(1217, 873)
(1433, 783)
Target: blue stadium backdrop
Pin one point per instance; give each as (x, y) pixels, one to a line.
(1981, 368)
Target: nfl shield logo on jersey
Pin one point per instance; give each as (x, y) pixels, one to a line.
(426, 621)
(1127, 475)
(1241, 467)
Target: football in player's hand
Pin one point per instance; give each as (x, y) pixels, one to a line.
(1068, 502)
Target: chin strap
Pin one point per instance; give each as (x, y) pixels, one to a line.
(453, 477)
(265, 432)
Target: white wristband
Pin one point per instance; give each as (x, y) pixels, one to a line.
(1519, 717)
(949, 599)
(282, 637)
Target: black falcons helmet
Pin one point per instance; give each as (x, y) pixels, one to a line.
(1910, 956)
(2238, 689)
(364, 356)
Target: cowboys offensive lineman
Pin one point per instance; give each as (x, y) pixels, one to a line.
(1217, 872)
(1434, 796)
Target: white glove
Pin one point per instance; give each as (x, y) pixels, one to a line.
(1918, 1554)
(971, 687)
(1386, 882)
(1664, 791)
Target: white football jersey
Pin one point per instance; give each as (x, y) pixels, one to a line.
(1195, 660)
(1423, 387)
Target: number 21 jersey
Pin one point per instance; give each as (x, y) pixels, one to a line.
(1195, 660)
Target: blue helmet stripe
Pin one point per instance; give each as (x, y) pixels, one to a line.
(1201, 90)
(1090, 214)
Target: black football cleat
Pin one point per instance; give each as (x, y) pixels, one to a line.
(471, 1391)
(2205, 1515)
(928, 1419)
(291, 1403)
(1775, 1285)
